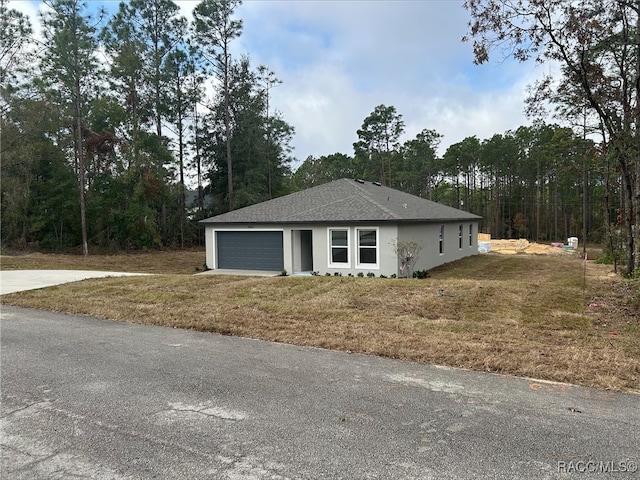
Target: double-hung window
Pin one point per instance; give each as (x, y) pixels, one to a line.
(339, 248)
(460, 237)
(368, 251)
(441, 239)
(471, 234)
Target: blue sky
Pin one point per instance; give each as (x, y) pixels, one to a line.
(339, 59)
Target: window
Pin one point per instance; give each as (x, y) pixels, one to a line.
(339, 248)
(441, 239)
(460, 237)
(471, 234)
(367, 247)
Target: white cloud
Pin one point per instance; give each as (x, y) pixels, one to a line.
(324, 118)
(31, 10)
(339, 60)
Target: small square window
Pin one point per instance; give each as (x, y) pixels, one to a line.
(339, 255)
(339, 238)
(368, 255)
(367, 238)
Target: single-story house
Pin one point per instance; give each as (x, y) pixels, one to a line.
(342, 227)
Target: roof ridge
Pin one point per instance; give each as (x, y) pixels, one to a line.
(376, 203)
(325, 205)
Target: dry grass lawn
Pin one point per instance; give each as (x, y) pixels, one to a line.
(168, 262)
(541, 316)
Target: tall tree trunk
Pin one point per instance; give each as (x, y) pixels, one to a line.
(635, 228)
(199, 172)
(538, 198)
(498, 230)
(633, 197)
(636, 151)
(607, 217)
(628, 203)
(181, 162)
(77, 92)
(156, 74)
(80, 161)
(227, 127)
(268, 142)
(585, 204)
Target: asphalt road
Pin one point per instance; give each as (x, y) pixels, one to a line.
(87, 398)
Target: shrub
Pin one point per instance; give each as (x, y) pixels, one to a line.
(607, 257)
(420, 274)
(408, 254)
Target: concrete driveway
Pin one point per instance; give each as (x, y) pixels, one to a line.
(18, 280)
(88, 398)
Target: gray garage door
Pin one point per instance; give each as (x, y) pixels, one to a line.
(250, 250)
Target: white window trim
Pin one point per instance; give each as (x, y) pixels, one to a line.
(371, 266)
(460, 236)
(330, 256)
(441, 240)
(471, 235)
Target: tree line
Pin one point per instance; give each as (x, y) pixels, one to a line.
(542, 182)
(106, 118)
(595, 44)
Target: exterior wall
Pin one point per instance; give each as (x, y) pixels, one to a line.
(210, 248)
(428, 235)
(297, 251)
(386, 265)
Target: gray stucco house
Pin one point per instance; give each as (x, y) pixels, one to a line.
(345, 226)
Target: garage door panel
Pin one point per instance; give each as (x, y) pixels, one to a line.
(250, 250)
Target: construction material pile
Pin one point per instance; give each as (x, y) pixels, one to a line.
(510, 247)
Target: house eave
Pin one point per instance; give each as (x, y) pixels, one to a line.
(343, 222)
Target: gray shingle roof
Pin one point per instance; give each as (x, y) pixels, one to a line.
(344, 201)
